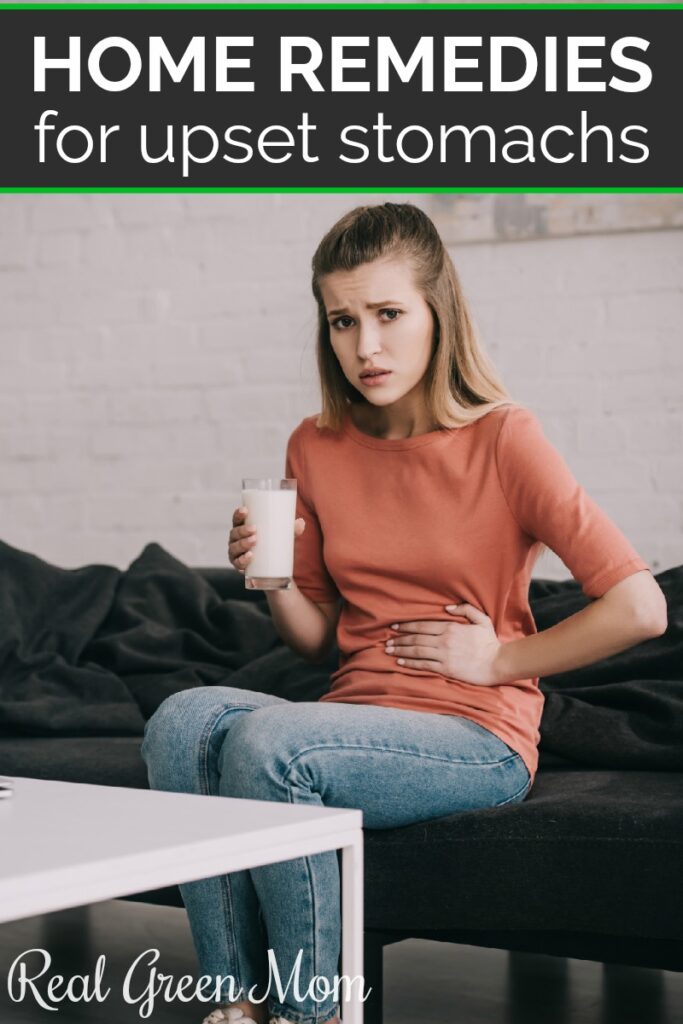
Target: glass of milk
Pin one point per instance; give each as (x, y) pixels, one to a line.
(271, 508)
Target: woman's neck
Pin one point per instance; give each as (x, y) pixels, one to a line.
(376, 423)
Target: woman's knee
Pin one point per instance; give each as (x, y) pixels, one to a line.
(264, 749)
(177, 714)
(188, 727)
(171, 739)
(183, 723)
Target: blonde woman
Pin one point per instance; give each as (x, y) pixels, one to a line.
(424, 497)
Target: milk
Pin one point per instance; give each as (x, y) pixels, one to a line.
(272, 512)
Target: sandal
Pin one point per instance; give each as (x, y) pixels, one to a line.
(228, 1013)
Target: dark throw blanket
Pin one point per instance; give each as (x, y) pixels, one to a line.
(93, 652)
(622, 712)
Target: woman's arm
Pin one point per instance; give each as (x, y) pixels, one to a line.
(631, 611)
(306, 627)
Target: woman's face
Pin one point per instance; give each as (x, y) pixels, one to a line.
(378, 318)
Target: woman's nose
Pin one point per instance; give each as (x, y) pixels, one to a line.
(368, 342)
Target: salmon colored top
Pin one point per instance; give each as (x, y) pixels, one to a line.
(399, 528)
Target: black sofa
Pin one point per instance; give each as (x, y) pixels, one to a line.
(588, 866)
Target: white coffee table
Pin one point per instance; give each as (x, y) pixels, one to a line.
(66, 844)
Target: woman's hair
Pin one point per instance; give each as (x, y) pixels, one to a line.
(461, 382)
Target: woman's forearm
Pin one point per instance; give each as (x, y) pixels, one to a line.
(595, 632)
(299, 621)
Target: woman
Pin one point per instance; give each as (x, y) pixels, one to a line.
(424, 498)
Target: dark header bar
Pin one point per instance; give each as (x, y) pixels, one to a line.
(343, 97)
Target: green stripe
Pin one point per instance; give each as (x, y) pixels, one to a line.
(370, 188)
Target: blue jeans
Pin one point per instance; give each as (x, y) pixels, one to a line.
(398, 767)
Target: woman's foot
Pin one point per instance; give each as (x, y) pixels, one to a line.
(237, 1013)
(283, 1020)
(247, 1013)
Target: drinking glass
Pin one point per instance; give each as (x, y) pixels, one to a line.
(271, 508)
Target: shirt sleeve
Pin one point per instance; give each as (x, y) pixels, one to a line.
(552, 507)
(310, 572)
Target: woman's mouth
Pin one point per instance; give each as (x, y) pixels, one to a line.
(376, 378)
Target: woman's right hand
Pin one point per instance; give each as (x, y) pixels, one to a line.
(242, 539)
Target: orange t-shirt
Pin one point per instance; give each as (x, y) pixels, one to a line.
(399, 528)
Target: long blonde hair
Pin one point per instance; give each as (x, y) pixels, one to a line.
(461, 382)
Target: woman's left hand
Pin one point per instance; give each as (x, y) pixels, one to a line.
(466, 651)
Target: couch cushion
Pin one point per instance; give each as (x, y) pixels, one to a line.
(103, 761)
(591, 851)
(587, 851)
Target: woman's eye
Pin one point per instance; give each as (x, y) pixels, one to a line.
(344, 321)
(338, 321)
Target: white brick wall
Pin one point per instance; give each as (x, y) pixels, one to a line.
(588, 332)
(154, 349)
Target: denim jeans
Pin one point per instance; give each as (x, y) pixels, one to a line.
(399, 767)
